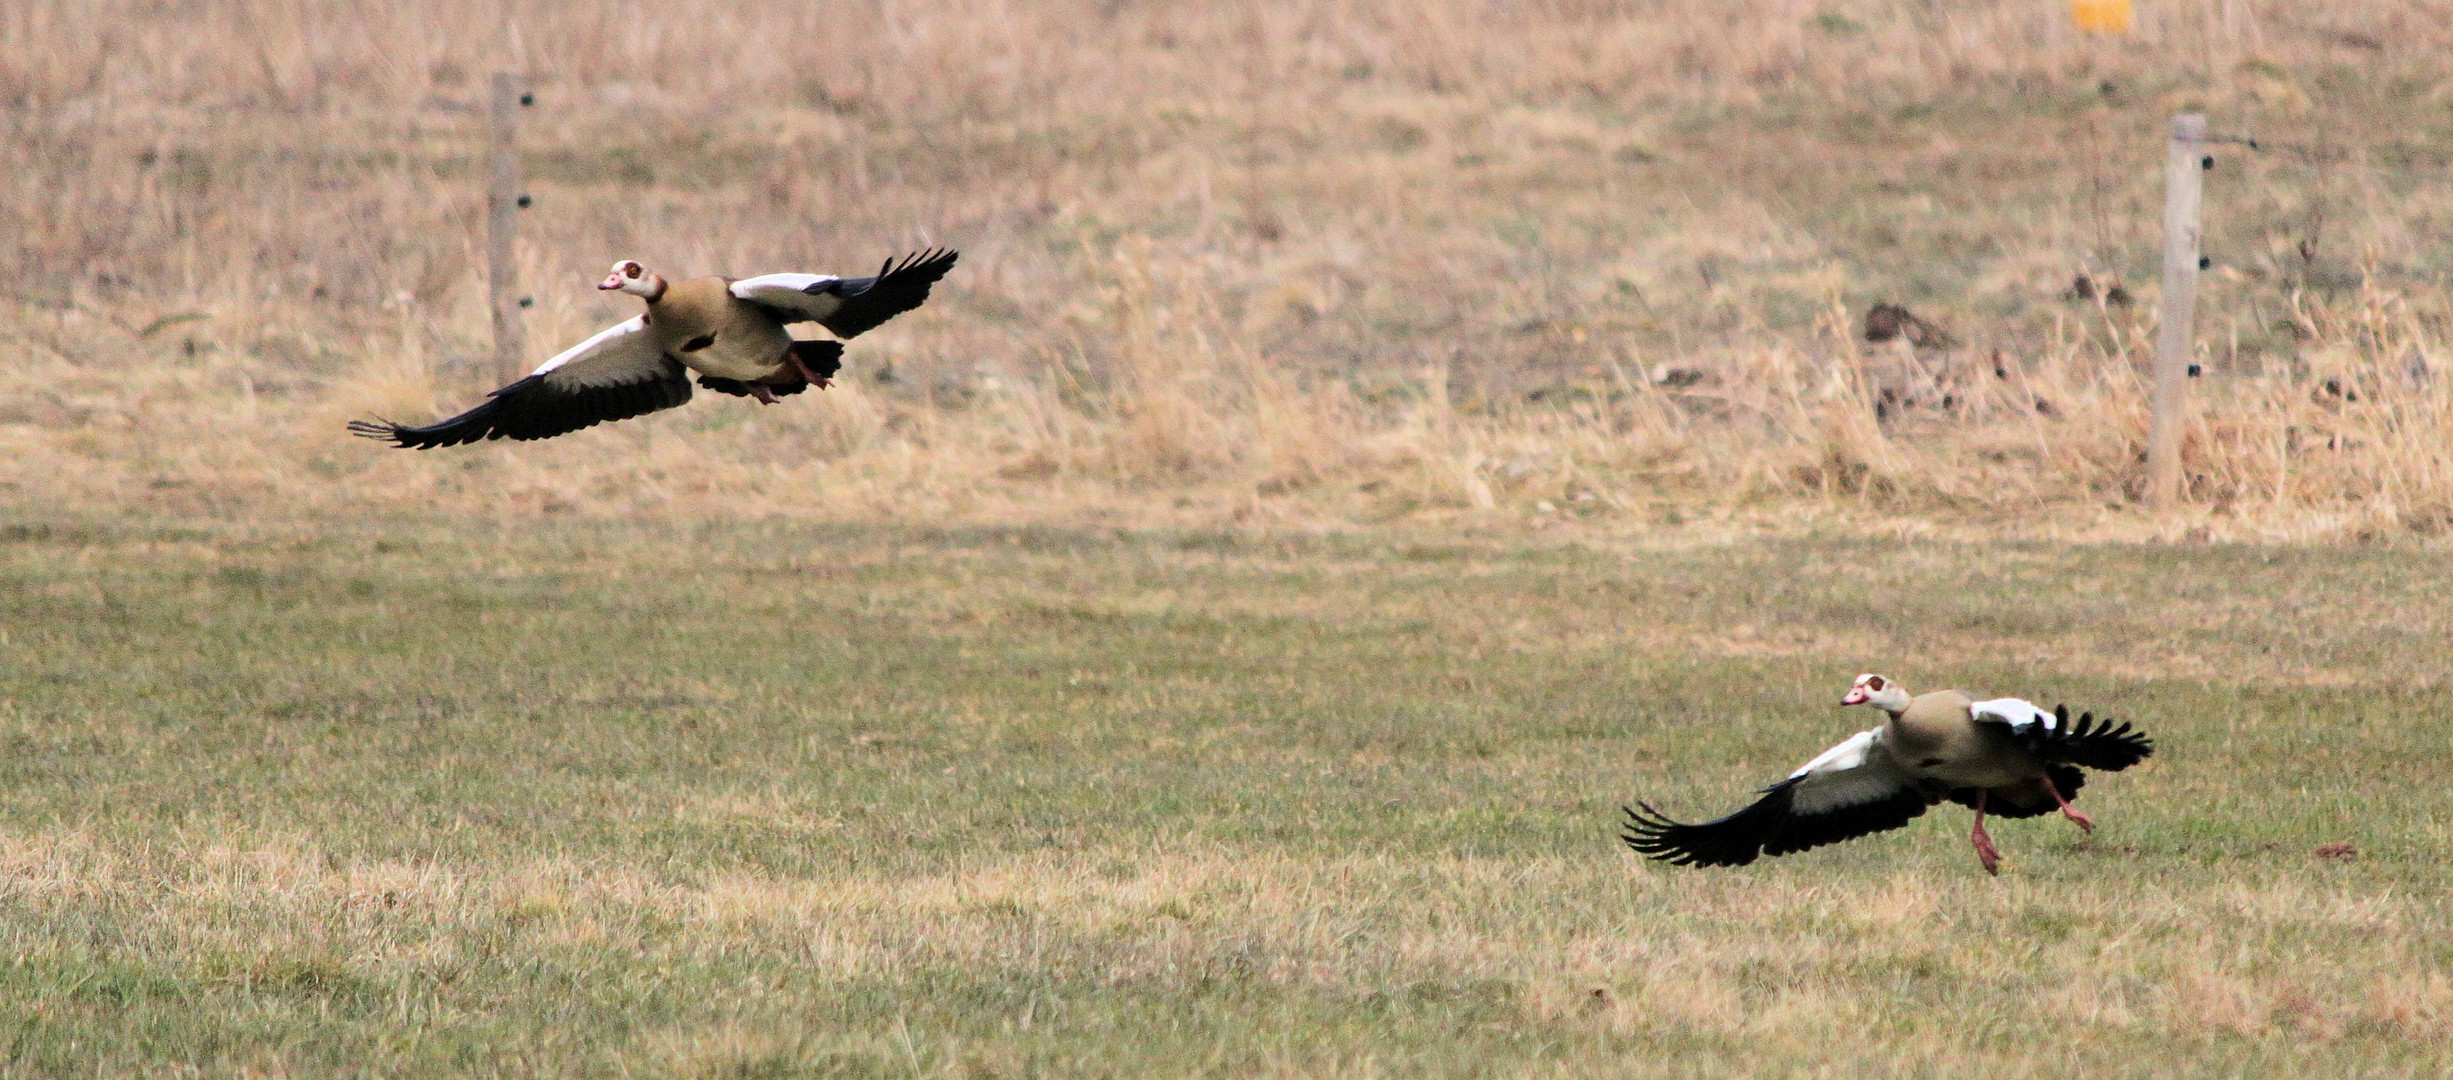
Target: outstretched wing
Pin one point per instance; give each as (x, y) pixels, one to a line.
(847, 307)
(1848, 791)
(2055, 738)
(615, 375)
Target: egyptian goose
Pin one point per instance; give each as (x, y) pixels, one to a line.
(730, 332)
(2004, 755)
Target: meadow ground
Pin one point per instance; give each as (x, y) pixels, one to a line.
(424, 799)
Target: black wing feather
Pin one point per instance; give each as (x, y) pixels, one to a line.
(737, 388)
(1801, 832)
(1770, 826)
(870, 301)
(1734, 840)
(2089, 743)
(534, 408)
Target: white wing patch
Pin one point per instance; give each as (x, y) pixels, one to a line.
(1848, 755)
(2019, 715)
(603, 337)
(746, 288)
(1850, 774)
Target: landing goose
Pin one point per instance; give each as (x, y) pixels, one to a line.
(730, 332)
(2002, 755)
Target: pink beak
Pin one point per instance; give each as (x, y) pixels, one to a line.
(1856, 696)
(612, 281)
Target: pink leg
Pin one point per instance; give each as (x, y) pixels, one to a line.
(760, 391)
(814, 378)
(2076, 816)
(1986, 853)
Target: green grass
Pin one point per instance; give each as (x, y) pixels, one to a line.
(581, 799)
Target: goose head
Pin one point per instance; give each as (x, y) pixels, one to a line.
(1878, 692)
(630, 277)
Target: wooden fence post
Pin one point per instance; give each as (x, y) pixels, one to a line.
(502, 206)
(2175, 335)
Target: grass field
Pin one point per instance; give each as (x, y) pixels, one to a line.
(403, 799)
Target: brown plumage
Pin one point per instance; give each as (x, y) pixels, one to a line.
(730, 333)
(2002, 756)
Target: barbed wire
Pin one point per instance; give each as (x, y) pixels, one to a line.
(2328, 156)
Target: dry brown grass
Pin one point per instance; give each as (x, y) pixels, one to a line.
(2119, 965)
(1250, 261)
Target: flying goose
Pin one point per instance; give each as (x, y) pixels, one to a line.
(730, 332)
(2004, 755)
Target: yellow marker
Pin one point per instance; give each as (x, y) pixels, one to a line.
(2102, 16)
